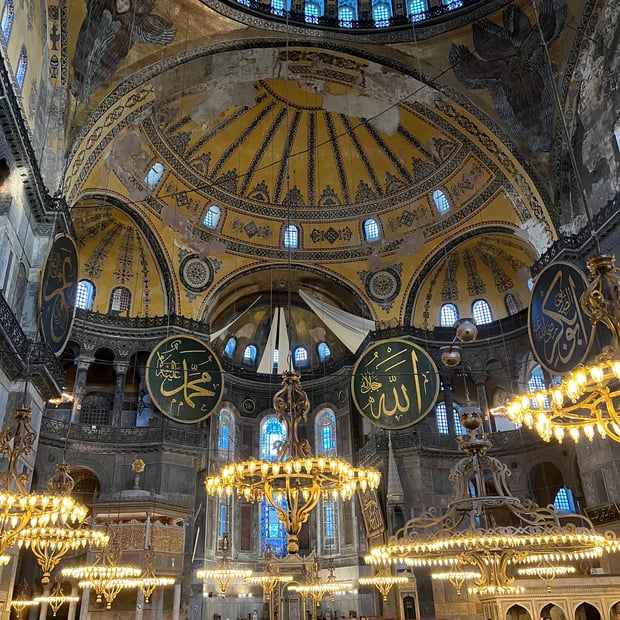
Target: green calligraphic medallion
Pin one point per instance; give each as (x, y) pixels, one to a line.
(57, 292)
(395, 383)
(184, 379)
(561, 334)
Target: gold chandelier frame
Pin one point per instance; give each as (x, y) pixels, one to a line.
(296, 480)
(225, 574)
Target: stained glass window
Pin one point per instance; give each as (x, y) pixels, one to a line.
(22, 65)
(326, 433)
(6, 23)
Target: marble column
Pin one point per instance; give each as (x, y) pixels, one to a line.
(483, 403)
(176, 603)
(84, 605)
(79, 387)
(158, 603)
(139, 605)
(449, 401)
(119, 389)
(72, 606)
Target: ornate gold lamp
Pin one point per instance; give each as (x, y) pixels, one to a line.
(316, 588)
(20, 509)
(225, 573)
(148, 580)
(296, 480)
(587, 400)
(56, 599)
(486, 533)
(269, 579)
(104, 576)
(50, 544)
(22, 600)
(383, 581)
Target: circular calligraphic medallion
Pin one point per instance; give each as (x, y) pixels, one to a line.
(57, 292)
(184, 378)
(561, 334)
(383, 285)
(395, 383)
(196, 273)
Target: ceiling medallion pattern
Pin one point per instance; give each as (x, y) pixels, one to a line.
(196, 273)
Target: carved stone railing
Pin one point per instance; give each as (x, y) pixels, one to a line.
(20, 358)
(163, 433)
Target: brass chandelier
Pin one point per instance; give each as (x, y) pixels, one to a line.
(225, 573)
(383, 581)
(56, 598)
(487, 534)
(295, 481)
(587, 400)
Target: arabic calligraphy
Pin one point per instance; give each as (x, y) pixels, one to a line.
(560, 332)
(58, 292)
(371, 512)
(395, 383)
(184, 378)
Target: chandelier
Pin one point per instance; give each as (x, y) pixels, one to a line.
(269, 579)
(20, 509)
(295, 481)
(21, 601)
(56, 598)
(486, 533)
(588, 399)
(383, 581)
(104, 576)
(315, 587)
(225, 573)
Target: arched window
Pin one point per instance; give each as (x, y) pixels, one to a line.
(441, 416)
(323, 351)
(448, 315)
(120, 300)
(85, 295)
(512, 306)
(22, 65)
(276, 357)
(481, 312)
(249, 354)
(312, 12)
(212, 217)
(154, 175)
(225, 430)
(371, 229)
(222, 526)
(441, 202)
(417, 9)
(346, 15)
(6, 23)
(291, 237)
(452, 4)
(564, 501)
(301, 356)
(277, 7)
(231, 345)
(272, 530)
(328, 535)
(536, 380)
(381, 13)
(325, 430)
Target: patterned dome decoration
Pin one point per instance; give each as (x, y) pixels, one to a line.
(196, 273)
(383, 286)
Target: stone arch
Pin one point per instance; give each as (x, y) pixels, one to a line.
(587, 611)
(545, 480)
(552, 611)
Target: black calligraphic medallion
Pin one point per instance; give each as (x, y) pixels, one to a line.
(184, 379)
(57, 292)
(561, 334)
(395, 383)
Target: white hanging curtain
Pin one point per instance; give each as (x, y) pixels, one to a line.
(283, 344)
(350, 329)
(215, 335)
(266, 361)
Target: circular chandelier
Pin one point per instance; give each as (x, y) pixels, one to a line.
(486, 533)
(56, 598)
(20, 509)
(295, 481)
(587, 400)
(269, 579)
(383, 581)
(225, 573)
(50, 544)
(148, 580)
(315, 587)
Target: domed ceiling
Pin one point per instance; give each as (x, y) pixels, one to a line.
(274, 135)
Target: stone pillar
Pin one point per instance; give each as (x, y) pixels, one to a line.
(139, 605)
(158, 603)
(79, 387)
(43, 607)
(176, 603)
(72, 606)
(84, 604)
(483, 403)
(119, 388)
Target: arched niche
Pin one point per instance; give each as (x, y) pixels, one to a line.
(518, 612)
(545, 481)
(587, 611)
(551, 611)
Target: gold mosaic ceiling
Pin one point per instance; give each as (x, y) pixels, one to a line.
(317, 138)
